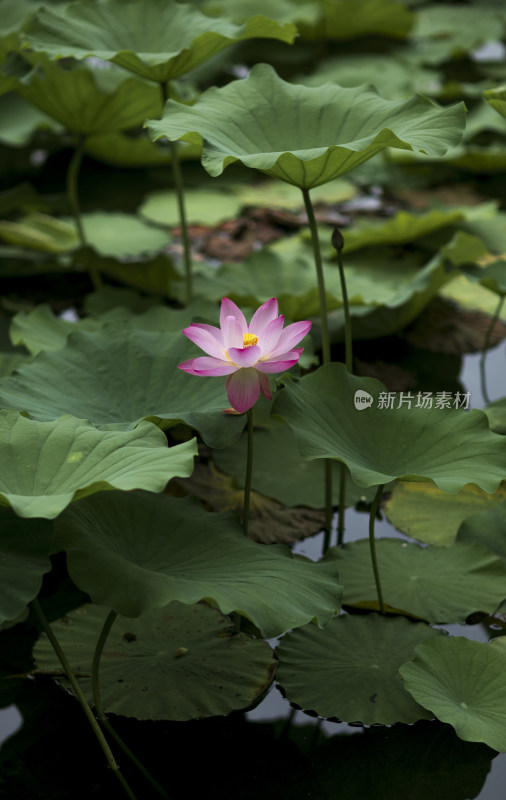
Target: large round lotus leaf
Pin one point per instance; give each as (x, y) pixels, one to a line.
(426, 513)
(496, 413)
(273, 194)
(40, 329)
(304, 135)
(497, 99)
(487, 529)
(24, 558)
(493, 276)
(281, 10)
(179, 662)
(420, 761)
(118, 375)
(89, 101)
(350, 670)
(380, 282)
(21, 120)
(444, 30)
(205, 207)
(402, 228)
(40, 232)
(138, 552)
(449, 446)
(394, 75)
(437, 584)
(279, 470)
(462, 683)
(159, 40)
(122, 235)
(342, 20)
(46, 465)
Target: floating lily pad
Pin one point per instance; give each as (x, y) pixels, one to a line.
(302, 135)
(47, 465)
(380, 443)
(274, 194)
(426, 513)
(202, 207)
(118, 375)
(497, 99)
(462, 683)
(270, 522)
(40, 232)
(350, 670)
(279, 470)
(158, 41)
(88, 101)
(179, 662)
(122, 235)
(487, 528)
(24, 558)
(437, 584)
(496, 413)
(189, 554)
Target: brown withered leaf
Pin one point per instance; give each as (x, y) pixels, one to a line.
(443, 327)
(270, 522)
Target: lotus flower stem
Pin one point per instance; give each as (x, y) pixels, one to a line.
(81, 698)
(326, 358)
(73, 198)
(178, 182)
(338, 244)
(488, 334)
(104, 633)
(372, 517)
(249, 470)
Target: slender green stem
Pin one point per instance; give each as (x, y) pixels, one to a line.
(325, 348)
(249, 470)
(372, 517)
(338, 244)
(348, 341)
(97, 699)
(178, 182)
(81, 698)
(319, 276)
(342, 504)
(73, 198)
(328, 505)
(485, 348)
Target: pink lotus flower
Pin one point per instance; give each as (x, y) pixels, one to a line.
(246, 353)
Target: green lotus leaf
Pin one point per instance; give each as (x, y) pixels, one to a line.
(24, 558)
(404, 227)
(154, 276)
(492, 276)
(275, 194)
(280, 10)
(118, 375)
(393, 75)
(436, 584)
(159, 41)
(424, 512)
(462, 683)
(10, 362)
(379, 444)
(14, 13)
(202, 207)
(497, 99)
(445, 31)
(40, 329)
(124, 150)
(21, 120)
(350, 670)
(496, 413)
(279, 470)
(303, 135)
(40, 232)
(344, 20)
(89, 101)
(50, 464)
(166, 664)
(487, 528)
(386, 289)
(471, 296)
(120, 235)
(188, 555)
